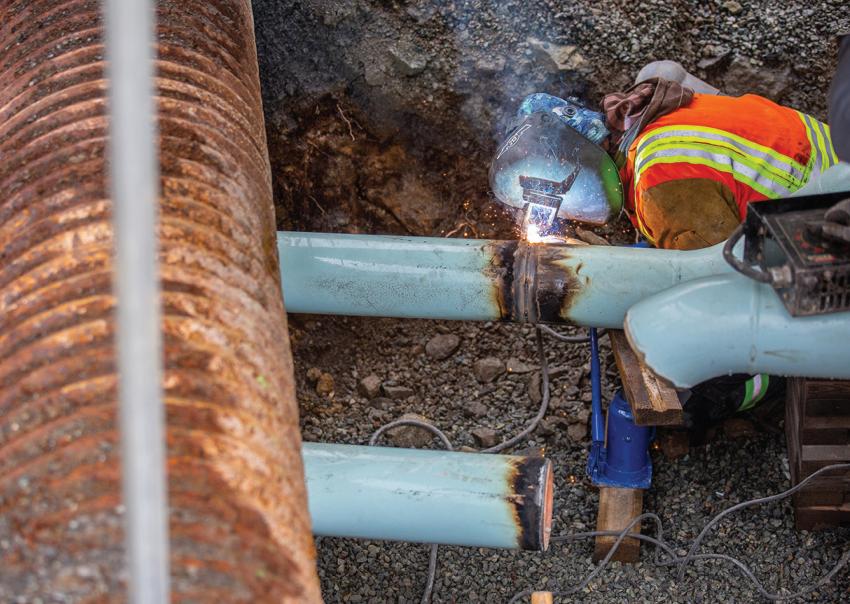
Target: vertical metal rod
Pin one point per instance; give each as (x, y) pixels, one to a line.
(134, 181)
(597, 430)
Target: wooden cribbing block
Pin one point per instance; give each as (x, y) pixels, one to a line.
(817, 427)
(654, 402)
(618, 507)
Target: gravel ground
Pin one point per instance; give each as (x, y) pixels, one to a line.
(685, 492)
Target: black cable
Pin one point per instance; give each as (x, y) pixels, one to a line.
(739, 265)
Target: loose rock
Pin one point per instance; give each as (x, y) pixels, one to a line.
(382, 403)
(369, 386)
(488, 369)
(591, 237)
(553, 425)
(733, 7)
(397, 393)
(411, 437)
(485, 437)
(743, 76)
(555, 57)
(475, 409)
(313, 374)
(408, 61)
(516, 366)
(535, 389)
(490, 64)
(577, 432)
(325, 384)
(442, 346)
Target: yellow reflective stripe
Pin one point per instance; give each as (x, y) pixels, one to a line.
(785, 180)
(818, 135)
(722, 167)
(814, 160)
(830, 146)
(822, 154)
(641, 226)
(730, 135)
(741, 167)
(826, 144)
(783, 170)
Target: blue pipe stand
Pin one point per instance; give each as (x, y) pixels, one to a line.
(619, 454)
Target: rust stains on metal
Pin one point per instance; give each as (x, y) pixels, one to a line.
(533, 283)
(239, 525)
(501, 273)
(556, 285)
(531, 483)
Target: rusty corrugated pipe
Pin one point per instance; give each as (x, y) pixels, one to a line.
(239, 525)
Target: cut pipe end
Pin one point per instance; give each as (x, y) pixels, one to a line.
(548, 506)
(534, 490)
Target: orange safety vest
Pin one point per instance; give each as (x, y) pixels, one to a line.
(756, 148)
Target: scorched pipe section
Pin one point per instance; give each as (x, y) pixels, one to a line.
(453, 498)
(479, 280)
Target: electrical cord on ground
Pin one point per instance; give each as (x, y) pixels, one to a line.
(432, 556)
(663, 548)
(681, 561)
(569, 339)
(544, 399)
(532, 425)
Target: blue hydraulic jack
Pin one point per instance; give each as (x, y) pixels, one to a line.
(622, 459)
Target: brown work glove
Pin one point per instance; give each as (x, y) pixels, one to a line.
(689, 213)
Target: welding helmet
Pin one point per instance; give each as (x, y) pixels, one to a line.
(551, 164)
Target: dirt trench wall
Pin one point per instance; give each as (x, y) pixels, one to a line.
(382, 115)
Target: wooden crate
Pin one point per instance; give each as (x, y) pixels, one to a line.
(817, 427)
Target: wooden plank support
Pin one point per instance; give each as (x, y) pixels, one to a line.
(617, 508)
(542, 597)
(654, 402)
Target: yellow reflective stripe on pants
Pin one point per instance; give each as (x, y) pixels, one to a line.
(782, 166)
(721, 162)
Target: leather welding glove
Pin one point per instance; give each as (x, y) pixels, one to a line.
(688, 213)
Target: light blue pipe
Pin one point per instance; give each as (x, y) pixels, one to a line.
(468, 499)
(438, 278)
(383, 276)
(731, 324)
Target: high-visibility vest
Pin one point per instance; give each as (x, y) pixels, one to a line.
(756, 148)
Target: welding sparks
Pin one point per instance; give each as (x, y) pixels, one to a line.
(532, 233)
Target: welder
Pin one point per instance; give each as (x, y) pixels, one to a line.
(680, 159)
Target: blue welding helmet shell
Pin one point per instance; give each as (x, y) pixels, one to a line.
(545, 159)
